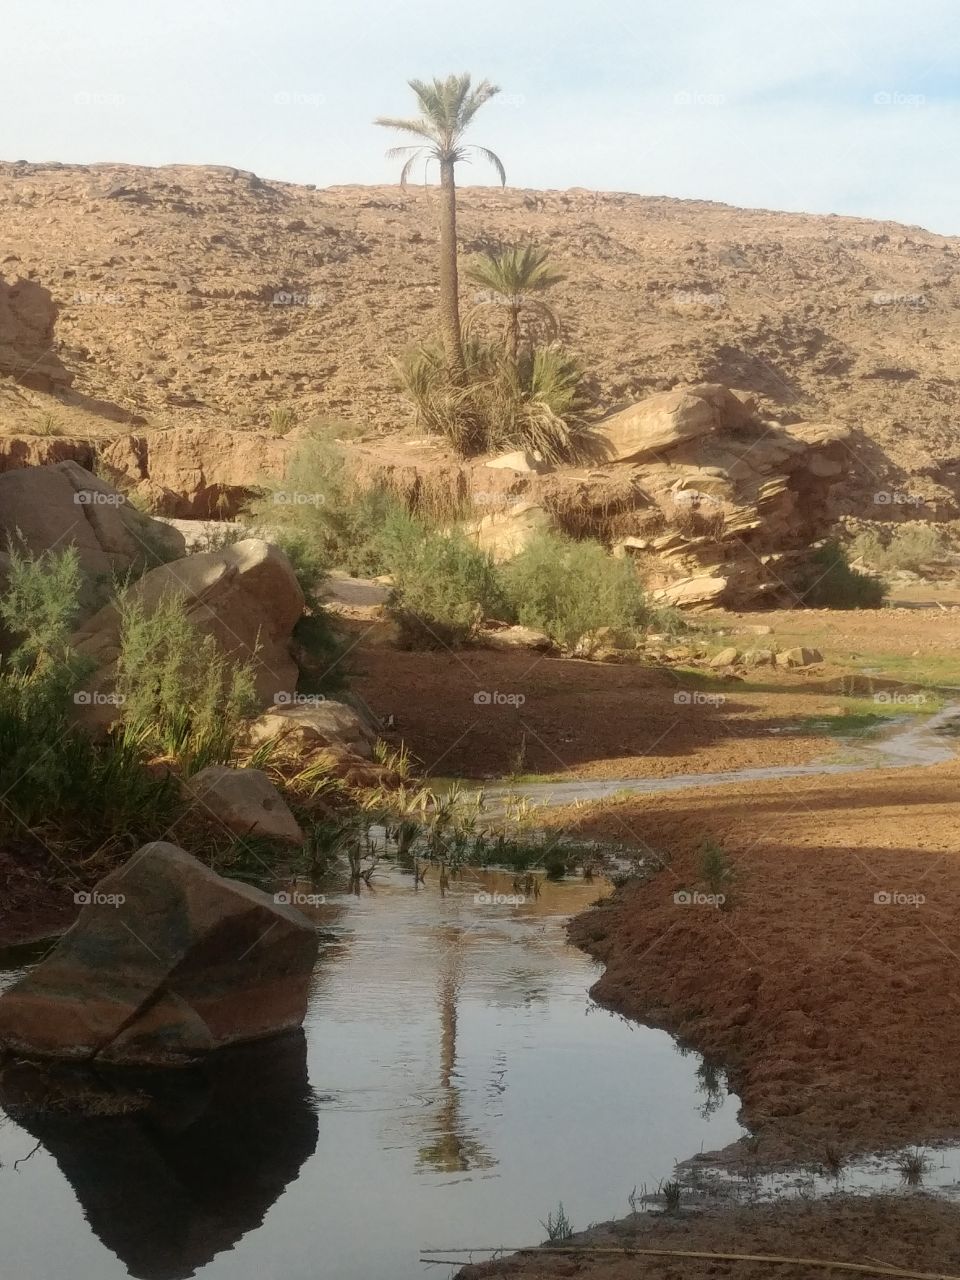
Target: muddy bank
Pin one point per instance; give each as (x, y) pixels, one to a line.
(827, 985)
(916, 1233)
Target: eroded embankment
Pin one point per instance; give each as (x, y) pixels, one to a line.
(827, 985)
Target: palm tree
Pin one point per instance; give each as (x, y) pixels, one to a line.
(517, 275)
(447, 107)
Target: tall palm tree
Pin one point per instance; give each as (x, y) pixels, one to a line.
(517, 275)
(446, 109)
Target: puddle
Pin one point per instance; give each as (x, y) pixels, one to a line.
(453, 1081)
(921, 742)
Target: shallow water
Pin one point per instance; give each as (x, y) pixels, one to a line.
(917, 743)
(454, 1083)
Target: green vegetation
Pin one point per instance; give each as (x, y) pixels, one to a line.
(828, 582)
(558, 1226)
(536, 402)
(909, 546)
(570, 589)
(515, 277)
(179, 694)
(715, 868)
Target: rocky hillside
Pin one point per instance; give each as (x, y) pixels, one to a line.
(207, 296)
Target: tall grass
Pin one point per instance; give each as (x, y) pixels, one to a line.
(180, 694)
(826, 581)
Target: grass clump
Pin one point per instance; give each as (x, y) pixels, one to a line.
(826, 581)
(179, 694)
(535, 402)
(558, 1226)
(570, 589)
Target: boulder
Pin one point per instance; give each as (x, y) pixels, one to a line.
(521, 460)
(726, 657)
(799, 657)
(63, 505)
(315, 723)
(246, 596)
(244, 801)
(504, 534)
(166, 962)
(689, 593)
(507, 638)
(758, 658)
(656, 423)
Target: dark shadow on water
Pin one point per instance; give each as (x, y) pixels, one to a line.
(194, 1160)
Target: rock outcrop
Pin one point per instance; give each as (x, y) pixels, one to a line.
(63, 505)
(243, 801)
(315, 724)
(28, 315)
(166, 962)
(246, 596)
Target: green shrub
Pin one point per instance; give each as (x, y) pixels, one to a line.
(444, 586)
(179, 693)
(323, 518)
(535, 403)
(569, 589)
(826, 581)
(910, 546)
(41, 604)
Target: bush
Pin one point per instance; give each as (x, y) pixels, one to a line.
(444, 586)
(910, 546)
(323, 518)
(41, 604)
(569, 589)
(826, 581)
(179, 693)
(537, 403)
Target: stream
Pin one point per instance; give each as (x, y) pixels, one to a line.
(453, 1083)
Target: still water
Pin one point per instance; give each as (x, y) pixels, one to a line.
(453, 1083)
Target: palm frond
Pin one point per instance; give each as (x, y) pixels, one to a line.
(492, 158)
(421, 128)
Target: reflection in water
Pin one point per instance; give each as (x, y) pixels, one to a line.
(172, 1168)
(453, 1149)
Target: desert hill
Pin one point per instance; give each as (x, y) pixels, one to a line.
(188, 295)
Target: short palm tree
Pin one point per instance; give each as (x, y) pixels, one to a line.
(517, 275)
(446, 109)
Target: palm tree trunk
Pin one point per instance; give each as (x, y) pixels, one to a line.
(450, 330)
(513, 333)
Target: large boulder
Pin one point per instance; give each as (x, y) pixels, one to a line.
(55, 507)
(166, 962)
(244, 801)
(659, 422)
(245, 595)
(313, 724)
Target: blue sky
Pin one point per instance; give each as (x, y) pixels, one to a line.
(830, 106)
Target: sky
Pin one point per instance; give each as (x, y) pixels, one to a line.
(825, 106)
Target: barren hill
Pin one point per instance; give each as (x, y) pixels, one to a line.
(183, 295)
